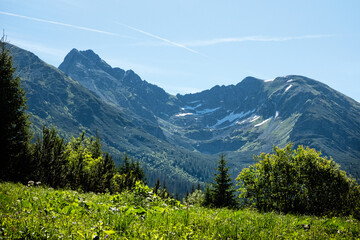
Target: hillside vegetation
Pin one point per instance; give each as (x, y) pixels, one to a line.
(37, 212)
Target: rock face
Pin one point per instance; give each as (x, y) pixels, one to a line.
(180, 136)
(116, 86)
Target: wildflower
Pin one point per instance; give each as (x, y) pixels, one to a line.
(113, 209)
(30, 183)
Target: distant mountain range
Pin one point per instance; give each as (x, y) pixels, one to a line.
(177, 138)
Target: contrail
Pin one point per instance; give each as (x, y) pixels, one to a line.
(63, 24)
(251, 39)
(162, 39)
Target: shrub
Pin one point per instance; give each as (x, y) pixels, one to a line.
(299, 181)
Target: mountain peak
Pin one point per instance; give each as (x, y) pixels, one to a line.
(73, 51)
(250, 79)
(92, 55)
(87, 58)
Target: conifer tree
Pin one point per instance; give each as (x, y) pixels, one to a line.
(222, 192)
(48, 159)
(14, 124)
(157, 186)
(208, 197)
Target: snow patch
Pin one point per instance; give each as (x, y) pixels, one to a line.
(232, 117)
(207, 110)
(263, 122)
(276, 114)
(287, 89)
(183, 114)
(191, 108)
(290, 80)
(254, 118)
(269, 80)
(195, 102)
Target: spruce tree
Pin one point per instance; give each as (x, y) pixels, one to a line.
(223, 192)
(14, 124)
(208, 197)
(157, 186)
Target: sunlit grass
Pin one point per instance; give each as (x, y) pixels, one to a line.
(40, 212)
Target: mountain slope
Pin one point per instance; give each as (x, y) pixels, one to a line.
(254, 115)
(178, 138)
(242, 120)
(58, 100)
(116, 86)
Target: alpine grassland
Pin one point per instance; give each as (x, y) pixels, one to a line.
(34, 211)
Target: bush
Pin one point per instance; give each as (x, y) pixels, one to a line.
(195, 198)
(299, 181)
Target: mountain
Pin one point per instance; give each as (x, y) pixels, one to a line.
(117, 86)
(254, 115)
(55, 99)
(241, 120)
(178, 138)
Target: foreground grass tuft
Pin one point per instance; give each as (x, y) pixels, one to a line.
(45, 213)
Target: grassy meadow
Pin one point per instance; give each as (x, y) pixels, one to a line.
(37, 212)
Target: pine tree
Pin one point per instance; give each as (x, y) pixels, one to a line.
(208, 197)
(14, 124)
(192, 188)
(157, 186)
(48, 159)
(223, 192)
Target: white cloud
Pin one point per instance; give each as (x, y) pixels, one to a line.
(215, 41)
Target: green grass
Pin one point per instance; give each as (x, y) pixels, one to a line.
(45, 213)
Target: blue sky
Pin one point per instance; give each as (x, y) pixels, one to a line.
(188, 46)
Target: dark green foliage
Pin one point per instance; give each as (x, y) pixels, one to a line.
(48, 159)
(157, 186)
(299, 181)
(207, 196)
(89, 168)
(161, 190)
(14, 124)
(78, 164)
(128, 173)
(222, 192)
(164, 193)
(132, 168)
